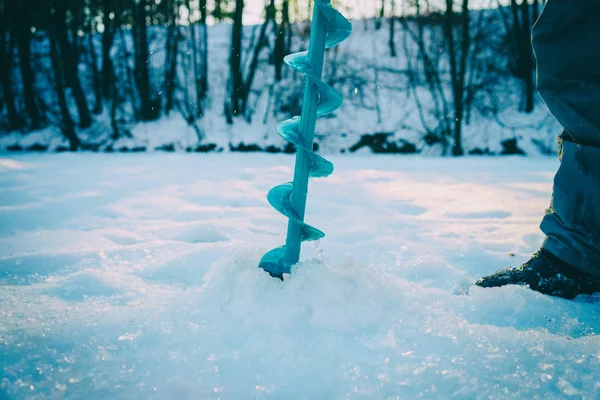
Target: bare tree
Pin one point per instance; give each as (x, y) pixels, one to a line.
(110, 21)
(203, 78)
(123, 89)
(90, 27)
(424, 72)
(171, 53)
(392, 40)
(518, 28)
(199, 55)
(149, 103)
(458, 55)
(280, 42)
(23, 28)
(66, 122)
(379, 19)
(454, 66)
(7, 47)
(70, 60)
(242, 84)
(526, 55)
(236, 81)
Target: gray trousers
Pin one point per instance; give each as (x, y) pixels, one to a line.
(566, 40)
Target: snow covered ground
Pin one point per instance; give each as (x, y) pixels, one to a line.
(134, 277)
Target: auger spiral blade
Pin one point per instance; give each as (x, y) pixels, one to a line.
(329, 28)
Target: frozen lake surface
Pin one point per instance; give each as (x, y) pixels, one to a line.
(135, 277)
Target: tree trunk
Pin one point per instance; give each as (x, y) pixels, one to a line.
(76, 24)
(27, 74)
(523, 53)
(171, 50)
(14, 120)
(280, 48)
(199, 56)
(195, 62)
(96, 77)
(5, 55)
(516, 28)
(114, 103)
(290, 33)
(6, 52)
(7, 47)
(271, 11)
(204, 51)
(247, 84)
(108, 37)
(379, 21)
(67, 126)
(149, 105)
(261, 42)
(70, 61)
(235, 60)
(241, 86)
(465, 44)
(527, 56)
(392, 41)
(456, 71)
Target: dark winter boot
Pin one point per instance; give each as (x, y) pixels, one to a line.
(546, 274)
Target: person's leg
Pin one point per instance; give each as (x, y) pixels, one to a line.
(566, 40)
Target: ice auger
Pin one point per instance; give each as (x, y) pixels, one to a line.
(329, 28)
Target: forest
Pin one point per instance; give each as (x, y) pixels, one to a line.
(137, 75)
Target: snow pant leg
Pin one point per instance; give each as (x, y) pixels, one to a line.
(572, 223)
(566, 39)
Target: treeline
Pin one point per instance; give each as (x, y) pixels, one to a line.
(64, 62)
(463, 63)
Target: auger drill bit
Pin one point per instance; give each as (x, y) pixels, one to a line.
(328, 28)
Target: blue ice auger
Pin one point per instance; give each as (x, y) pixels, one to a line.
(329, 28)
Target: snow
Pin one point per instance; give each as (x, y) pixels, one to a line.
(374, 85)
(135, 276)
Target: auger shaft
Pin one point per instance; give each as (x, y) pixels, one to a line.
(328, 28)
(308, 119)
